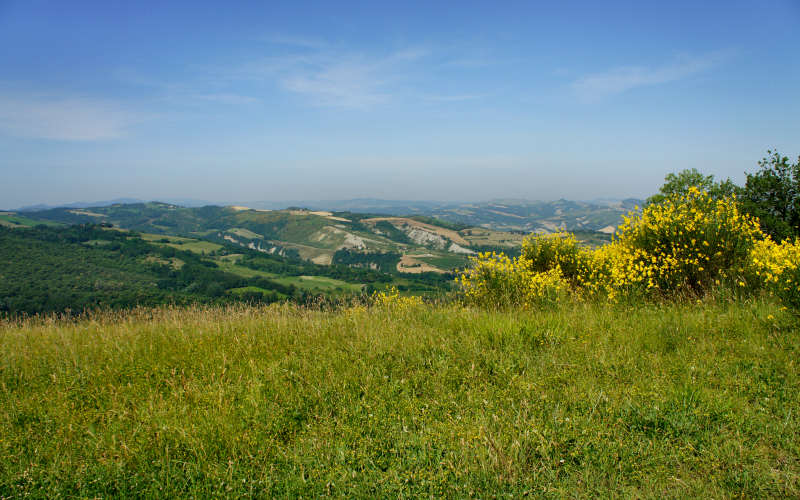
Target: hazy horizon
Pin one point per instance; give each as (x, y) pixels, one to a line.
(417, 102)
(304, 203)
(178, 200)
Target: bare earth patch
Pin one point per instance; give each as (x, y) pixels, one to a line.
(339, 219)
(408, 264)
(447, 233)
(241, 208)
(86, 212)
(324, 259)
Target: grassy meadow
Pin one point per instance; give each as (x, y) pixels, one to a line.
(573, 400)
(11, 219)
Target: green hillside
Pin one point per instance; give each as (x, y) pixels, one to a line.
(539, 216)
(502, 214)
(13, 219)
(55, 269)
(310, 235)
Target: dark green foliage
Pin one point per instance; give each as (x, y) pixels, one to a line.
(455, 226)
(146, 217)
(790, 295)
(58, 269)
(544, 253)
(387, 229)
(357, 217)
(46, 269)
(425, 283)
(773, 195)
(681, 182)
(382, 261)
(428, 281)
(298, 267)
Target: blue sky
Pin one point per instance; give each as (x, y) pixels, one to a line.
(236, 101)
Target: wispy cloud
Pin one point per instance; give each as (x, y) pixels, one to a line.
(191, 92)
(63, 118)
(621, 79)
(340, 78)
(334, 78)
(350, 81)
(321, 73)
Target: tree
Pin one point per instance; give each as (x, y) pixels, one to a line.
(773, 195)
(681, 182)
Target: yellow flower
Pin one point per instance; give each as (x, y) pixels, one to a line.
(654, 251)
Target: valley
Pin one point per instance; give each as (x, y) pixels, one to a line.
(313, 235)
(125, 254)
(446, 234)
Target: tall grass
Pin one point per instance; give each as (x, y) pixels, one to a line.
(575, 400)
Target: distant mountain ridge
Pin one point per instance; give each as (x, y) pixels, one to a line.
(527, 216)
(601, 214)
(184, 202)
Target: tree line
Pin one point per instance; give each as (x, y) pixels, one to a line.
(772, 193)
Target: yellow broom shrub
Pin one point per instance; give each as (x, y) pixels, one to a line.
(687, 244)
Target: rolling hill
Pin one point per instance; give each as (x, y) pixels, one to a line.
(60, 268)
(402, 244)
(79, 267)
(502, 214)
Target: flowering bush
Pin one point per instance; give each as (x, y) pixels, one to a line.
(687, 242)
(498, 281)
(777, 266)
(543, 252)
(690, 243)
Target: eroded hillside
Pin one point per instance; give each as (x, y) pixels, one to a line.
(403, 244)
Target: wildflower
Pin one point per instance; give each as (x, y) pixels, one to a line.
(688, 240)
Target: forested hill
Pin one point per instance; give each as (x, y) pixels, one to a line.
(415, 244)
(52, 269)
